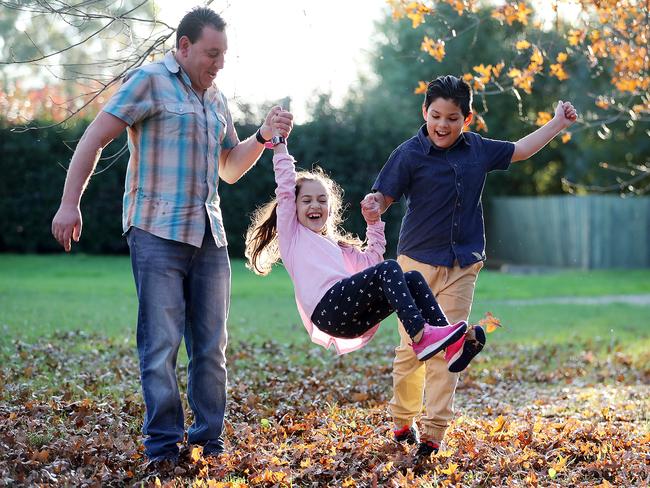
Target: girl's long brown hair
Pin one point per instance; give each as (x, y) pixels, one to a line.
(262, 248)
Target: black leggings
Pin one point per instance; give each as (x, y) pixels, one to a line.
(354, 305)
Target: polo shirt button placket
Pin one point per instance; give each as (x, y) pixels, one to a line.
(455, 217)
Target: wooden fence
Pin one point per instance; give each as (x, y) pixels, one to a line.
(599, 231)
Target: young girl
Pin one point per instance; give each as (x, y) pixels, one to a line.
(342, 291)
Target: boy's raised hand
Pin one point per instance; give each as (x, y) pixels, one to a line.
(566, 113)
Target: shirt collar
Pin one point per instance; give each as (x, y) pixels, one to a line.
(174, 67)
(170, 62)
(429, 146)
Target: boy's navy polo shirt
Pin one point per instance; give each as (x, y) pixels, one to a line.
(443, 187)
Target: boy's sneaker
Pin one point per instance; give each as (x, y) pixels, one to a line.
(426, 448)
(408, 434)
(459, 354)
(435, 339)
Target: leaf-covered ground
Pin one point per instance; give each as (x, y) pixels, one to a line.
(70, 415)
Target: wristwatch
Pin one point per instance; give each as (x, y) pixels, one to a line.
(275, 140)
(260, 139)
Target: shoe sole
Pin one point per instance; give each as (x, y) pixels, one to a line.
(433, 349)
(464, 356)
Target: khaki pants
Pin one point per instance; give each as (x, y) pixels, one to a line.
(414, 380)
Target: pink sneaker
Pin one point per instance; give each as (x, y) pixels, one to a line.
(459, 354)
(435, 339)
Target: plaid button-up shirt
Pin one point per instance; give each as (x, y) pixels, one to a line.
(175, 139)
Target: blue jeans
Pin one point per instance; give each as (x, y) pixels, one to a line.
(182, 291)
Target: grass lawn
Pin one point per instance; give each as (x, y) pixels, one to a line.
(46, 293)
(560, 395)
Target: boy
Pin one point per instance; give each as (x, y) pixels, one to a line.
(441, 171)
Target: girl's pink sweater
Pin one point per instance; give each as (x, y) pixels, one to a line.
(315, 262)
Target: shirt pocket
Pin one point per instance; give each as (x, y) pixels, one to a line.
(221, 129)
(473, 170)
(474, 177)
(178, 118)
(472, 163)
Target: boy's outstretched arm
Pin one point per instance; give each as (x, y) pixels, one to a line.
(565, 115)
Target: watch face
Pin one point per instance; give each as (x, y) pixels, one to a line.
(277, 140)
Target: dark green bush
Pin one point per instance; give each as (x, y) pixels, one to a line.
(33, 172)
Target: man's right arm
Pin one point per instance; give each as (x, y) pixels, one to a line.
(67, 222)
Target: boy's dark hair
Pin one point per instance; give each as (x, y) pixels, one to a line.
(450, 88)
(195, 20)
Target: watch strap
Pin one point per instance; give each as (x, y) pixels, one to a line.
(275, 140)
(260, 139)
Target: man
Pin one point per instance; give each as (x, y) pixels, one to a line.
(181, 140)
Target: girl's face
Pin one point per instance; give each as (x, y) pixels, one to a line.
(445, 122)
(312, 205)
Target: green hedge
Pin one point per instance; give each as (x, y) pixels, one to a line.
(32, 168)
(33, 162)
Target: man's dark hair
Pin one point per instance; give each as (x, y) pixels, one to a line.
(450, 88)
(195, 20)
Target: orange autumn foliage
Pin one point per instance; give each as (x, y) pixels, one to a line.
(490, 322)
(20, 105)
(614, 35)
